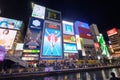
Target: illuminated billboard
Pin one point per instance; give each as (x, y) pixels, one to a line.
(32, 39)
(52, 43)
(70, 48)
(38, 11)
(7, 38)
(2, 53)
(82, 24)
(35, 23)
(53, 15)
(103, 45)
(84, 33)
(78, 42)
(112, 32)
(69, 39)
(68, 28)
(10, 23)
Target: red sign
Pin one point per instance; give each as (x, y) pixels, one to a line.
(111, 32)
(84, 33)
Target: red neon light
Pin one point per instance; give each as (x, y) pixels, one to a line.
(111, 31)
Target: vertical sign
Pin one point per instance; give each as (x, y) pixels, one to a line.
(52, 43)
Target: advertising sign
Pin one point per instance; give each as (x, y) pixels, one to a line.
(102, 45)
(19, 46)
(78, 42)
(38, 11)
(53, 15)
(52, 44)
(82, 24)
(68, 28)
(32, 39)
(10, 23)
(35, 23)
(112, 32)
(69, 39)
(70, 48)
(2, 53)
(85, 33)
(7, 38)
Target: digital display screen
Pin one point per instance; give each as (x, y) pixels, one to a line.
(10, 23)
(53, 15)
(32, 39)
(68, 28)
(38, 11)
(70, 48)
(69, 39)
(51, 40)
(7, 38)
(35, 23)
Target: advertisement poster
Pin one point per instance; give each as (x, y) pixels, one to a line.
(36, 23)
(52, 44)
(38, 11)
(70, 48)
(53, 15)
(68, 28)
(32, 39)
(7, 38)
(85, 33)
(69, 39)
(10, 23)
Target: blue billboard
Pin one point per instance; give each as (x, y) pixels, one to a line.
(36, 23)
(68, 28)
(70, 48)
(10, 23)
(52, 43)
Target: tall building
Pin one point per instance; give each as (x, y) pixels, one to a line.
(95, 32)
(114, 39)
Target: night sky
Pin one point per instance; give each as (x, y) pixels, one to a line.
(104, 13)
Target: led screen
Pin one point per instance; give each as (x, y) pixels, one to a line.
(2, 53)
(51, 40)
(10, 23)
(35, 23)
(53, 15)
(32, 39)
(70, 48)
(68, 28)
(7, 38)
(38, 11)
(69, 39)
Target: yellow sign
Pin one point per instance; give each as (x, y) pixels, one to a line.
(69, 38)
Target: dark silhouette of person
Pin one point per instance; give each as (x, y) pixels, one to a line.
(113, 76)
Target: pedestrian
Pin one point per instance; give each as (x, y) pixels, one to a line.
(113, 76)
